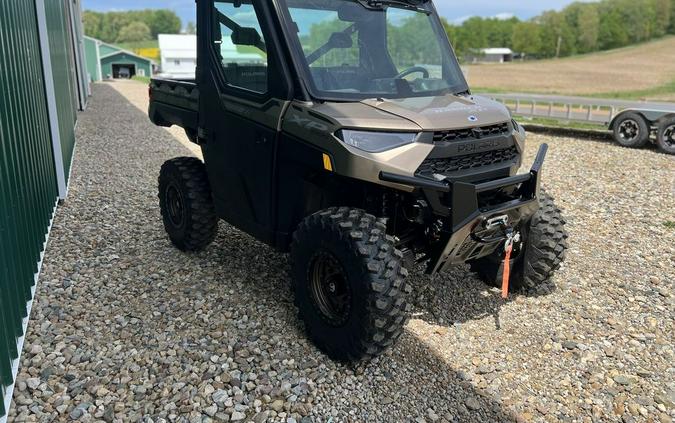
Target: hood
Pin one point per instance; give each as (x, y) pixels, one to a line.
(444, 112)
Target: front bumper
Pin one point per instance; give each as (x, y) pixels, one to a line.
(465, 216)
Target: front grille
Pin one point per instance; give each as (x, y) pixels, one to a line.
(447, 166)
(472, 133)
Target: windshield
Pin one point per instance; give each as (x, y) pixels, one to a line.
(352, 52)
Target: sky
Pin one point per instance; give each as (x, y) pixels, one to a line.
(454, 10)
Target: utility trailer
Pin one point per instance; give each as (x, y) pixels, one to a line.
(633, 123)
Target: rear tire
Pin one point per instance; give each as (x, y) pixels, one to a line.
(631, 130)
(185, 200)
(541, 254)
(349, 283)
(665, 138)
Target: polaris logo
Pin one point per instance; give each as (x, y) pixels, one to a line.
(474, 147)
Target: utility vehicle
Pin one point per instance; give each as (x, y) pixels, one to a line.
(343, 132)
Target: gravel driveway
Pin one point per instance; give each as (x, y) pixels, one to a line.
(126, 328)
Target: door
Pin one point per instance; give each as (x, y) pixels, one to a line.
(242, 96)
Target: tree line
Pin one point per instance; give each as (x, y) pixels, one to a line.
(577, 29)
(130, 26)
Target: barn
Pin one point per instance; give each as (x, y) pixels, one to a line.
(106, 61)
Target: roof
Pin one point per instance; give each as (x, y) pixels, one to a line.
(496, 51)
(118, 50)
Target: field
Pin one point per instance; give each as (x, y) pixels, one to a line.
(642, 72)
(147, 49)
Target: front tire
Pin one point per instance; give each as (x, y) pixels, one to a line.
(539, 256)
(631, 130)
(350, 286)
(187, 207)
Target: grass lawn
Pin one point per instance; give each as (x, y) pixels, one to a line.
(664, 92)
(142, 79)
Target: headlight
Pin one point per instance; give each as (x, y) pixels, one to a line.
(376, 142)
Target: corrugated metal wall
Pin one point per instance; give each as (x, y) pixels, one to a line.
(63, 65)
(30, 128)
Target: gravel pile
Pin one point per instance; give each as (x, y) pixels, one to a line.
(126, 328)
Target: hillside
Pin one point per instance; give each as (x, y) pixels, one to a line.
(645, 71)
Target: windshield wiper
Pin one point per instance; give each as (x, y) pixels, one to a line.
(407, 4)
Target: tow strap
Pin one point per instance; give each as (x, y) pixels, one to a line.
(506, 273)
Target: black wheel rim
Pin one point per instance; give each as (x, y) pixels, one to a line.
(629, 130)
(330, 289)
(669, 136)
(175, 206)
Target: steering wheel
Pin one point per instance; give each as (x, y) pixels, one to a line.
(412, 70)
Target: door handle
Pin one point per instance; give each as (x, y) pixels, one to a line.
(261, 139)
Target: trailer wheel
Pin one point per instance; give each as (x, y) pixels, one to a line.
(665, 138)
(539, 254)
(349, 283)
(185, 200)
(631, 130)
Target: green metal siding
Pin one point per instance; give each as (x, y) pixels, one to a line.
(60, 47)
(124, 59)
(28, 189)
(91, 53)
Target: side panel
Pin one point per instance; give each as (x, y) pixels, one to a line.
(62, 65)
(301, 163)
(91, 54)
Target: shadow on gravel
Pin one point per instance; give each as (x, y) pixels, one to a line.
(132, 310)
(408, 380)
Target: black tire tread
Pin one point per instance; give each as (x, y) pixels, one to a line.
(544, 253)
(387, 309)
(202, 226)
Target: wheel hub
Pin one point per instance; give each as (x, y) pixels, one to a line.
(629, 130)
(174, 202)
(669, 136)
(329, 288)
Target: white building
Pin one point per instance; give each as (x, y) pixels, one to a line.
(496, 55)
(179, 56)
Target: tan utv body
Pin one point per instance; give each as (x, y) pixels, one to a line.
(344, 133)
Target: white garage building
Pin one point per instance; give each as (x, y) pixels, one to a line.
(179, 56)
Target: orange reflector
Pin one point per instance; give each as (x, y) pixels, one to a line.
(327, 164)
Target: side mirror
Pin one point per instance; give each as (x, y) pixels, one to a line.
(246, 37)
(340, 40)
